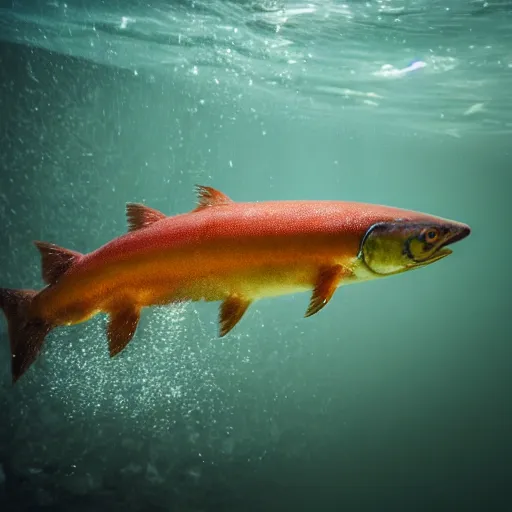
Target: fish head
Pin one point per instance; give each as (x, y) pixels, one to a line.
(392, 247)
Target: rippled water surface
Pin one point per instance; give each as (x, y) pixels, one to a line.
(436, 66)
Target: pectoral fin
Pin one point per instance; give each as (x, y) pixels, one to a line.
(121, 328)
(327, 281)
(231, 311)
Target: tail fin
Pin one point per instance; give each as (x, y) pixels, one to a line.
(25, 334)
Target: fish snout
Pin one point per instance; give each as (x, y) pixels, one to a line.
(458, 232)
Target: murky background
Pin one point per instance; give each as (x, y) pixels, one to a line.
(397, 395)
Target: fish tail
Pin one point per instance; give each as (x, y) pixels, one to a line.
(26, 333)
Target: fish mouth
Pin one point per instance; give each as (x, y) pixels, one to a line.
(441, 253)
(459, 234)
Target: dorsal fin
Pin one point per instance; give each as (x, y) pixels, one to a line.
(140, 216)
(208, 196)
(55, 260)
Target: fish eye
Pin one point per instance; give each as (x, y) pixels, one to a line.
(431, 235)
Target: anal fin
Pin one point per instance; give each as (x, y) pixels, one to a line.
(121, 328)
(231, 311)
(327, 281)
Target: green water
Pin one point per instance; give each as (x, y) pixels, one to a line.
(396, 396)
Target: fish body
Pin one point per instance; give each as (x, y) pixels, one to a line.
(222, 250)
(254, 250)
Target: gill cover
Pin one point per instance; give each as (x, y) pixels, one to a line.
(390, 248)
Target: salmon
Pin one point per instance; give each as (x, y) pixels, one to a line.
(222, 250)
